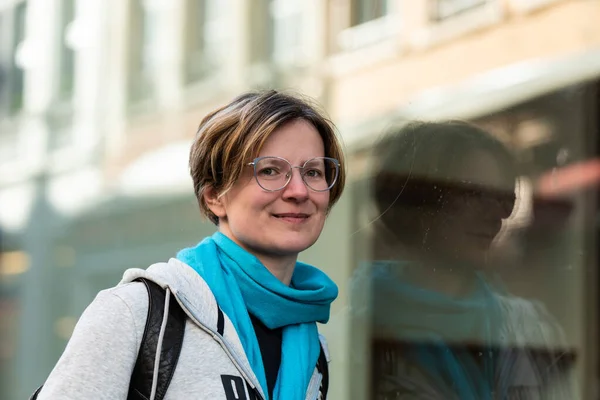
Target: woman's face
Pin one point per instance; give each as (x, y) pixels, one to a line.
(281, 223)
(480, 196)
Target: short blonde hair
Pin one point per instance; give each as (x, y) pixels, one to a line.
(232, 136)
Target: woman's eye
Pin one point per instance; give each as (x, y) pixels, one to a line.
(268, 171)
(313, 173)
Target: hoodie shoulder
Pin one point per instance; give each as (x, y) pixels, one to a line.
(108, 335)
(135, 296)
(184, 283)
(173, 274)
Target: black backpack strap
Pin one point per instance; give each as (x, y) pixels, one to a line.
(323, 368)
(140, 386)
(35, 395)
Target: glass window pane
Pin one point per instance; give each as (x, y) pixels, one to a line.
(260, 41)
(367, 10)
(67, 55)
(16, 74)
(288, 24)
(208, 37)
(474, 261)
(142, 39)
(195, 39)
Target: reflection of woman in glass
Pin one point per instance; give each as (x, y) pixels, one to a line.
(440, 329)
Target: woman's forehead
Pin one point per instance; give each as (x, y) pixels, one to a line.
(294, 140)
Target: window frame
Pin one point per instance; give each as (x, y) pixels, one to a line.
(199, 63)
(355, 20)
(281, 15)
(14, 42)
(527, 6)
(435, 32)
(11, 42)
(66, 61)
(371, 32)
(140, 82)
(435, 5)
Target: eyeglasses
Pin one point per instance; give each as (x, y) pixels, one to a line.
(274, 173)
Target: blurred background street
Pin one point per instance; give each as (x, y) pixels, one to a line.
(100, 100)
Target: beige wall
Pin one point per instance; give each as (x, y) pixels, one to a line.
(393, 79)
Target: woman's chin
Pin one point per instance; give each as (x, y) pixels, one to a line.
(292, 245)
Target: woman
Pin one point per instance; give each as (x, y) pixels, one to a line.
(266, 168)
(442, 329)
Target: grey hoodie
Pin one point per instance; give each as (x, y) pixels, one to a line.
(100, 356)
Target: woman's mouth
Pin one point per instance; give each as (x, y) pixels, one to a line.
(294, 218)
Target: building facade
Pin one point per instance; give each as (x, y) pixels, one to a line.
(100, 99)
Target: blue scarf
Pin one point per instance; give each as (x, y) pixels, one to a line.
(241, 284)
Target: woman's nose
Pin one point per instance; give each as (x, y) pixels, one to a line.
(296, 188)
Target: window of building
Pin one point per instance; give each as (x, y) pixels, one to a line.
(5, 61)
(525, 6)
(444, 9)
(12, 34)
(372, 23)
(141, 40)
(66, 77)
(367, 10)
(195, 16)
(289, 31)
(17, 76)
(207, 34)
(11, 74)
(259, 40)
(60, 115)
(450, 19)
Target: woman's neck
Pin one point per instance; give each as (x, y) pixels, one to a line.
(281, 267)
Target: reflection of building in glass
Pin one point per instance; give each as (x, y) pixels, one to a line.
(99, 101)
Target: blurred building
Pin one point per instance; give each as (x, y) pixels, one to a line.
(100, 99)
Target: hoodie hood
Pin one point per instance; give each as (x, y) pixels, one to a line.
(183, 282)
(197, 300)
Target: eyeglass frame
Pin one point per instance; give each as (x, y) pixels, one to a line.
(289, 179)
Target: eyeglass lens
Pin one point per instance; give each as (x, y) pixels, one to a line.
(273, 173)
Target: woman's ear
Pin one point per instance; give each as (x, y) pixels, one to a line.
(214, 202)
